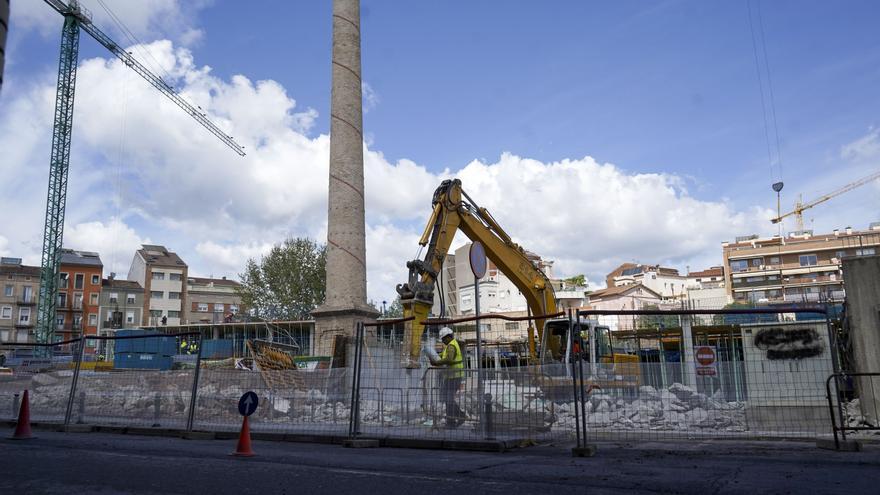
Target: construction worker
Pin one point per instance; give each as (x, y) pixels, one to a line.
(452, 377)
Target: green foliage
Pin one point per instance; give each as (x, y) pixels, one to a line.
(655, 321)
(286, 284)
(395, 310)
(577, 280)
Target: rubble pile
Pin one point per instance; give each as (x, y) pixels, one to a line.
(677, 407)
(854, 418)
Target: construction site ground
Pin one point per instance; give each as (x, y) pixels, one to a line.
(109, 463)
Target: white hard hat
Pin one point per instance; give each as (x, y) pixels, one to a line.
(445, 331)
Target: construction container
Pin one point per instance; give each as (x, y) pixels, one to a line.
(217, 349)
(163, 346)
(142, 361)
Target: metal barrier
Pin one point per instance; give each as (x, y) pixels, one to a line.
(858, 414)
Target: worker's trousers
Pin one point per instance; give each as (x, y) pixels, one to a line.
(448, 389)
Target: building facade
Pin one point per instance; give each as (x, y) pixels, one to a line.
(706, 289)
(212, 300)
(79, 290)
(627, 297)
(163, 276)
(664, 281)
(798, 268)
(18, 301)
(121, 305)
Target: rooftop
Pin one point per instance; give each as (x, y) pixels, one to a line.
(715, 271)
(618, 290)
(19, 269)
(216, 281)
(87, 258)
(754, 241)
(160, 255)
(113, 283)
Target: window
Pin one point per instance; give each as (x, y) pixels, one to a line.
(772, 277)
(93, 298)
(203, 307)
(754, 279)
(174, 295)
(177, 277)
(157, 294)
(865, 252)
(78, 300)
(774, 260)
(158, 276)
(129, 316)
(757, 261)
(77, 321)
(114, 297)
(840, 254)
(808, 259)
(27, 294)
(233, 308)
(62, 283)
(174, 314)
(129, 299)
(739, 265)
(9, 291)
(62, 299)
(59, 321)
(93, 320)
(155, 313)
(24, 315)
(218, 307)
(78, 281)
(96, 280)
(6, 313)
(511, 325)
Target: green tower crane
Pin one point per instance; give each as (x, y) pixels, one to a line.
(76, 18)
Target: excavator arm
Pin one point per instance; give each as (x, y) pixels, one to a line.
(454, 210)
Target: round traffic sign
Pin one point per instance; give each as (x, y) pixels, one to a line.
(477, 257)
(248, 403)
(705, 355)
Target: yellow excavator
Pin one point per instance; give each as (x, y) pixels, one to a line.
(454, 210)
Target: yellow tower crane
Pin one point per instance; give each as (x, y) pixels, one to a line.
(799, 208)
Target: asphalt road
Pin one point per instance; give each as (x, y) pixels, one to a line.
(84, 463)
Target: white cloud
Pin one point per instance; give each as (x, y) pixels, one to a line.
(864, 148)
(115, 241)
(137, 157)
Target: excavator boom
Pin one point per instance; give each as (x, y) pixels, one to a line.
(452, 213)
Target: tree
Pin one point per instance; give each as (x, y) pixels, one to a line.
(287, 283)
(577, 280)
(656, 321)
(395, 310)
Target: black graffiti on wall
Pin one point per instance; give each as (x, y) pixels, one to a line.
(793, 343)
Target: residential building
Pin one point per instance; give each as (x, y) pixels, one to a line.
(163, 276)
(18, 300)
(446, 288)
(631, 296)
(79, 288)
(706, 289)
(498, 294)
(800, 267)
(664, 281)
(212, 300)
(121, 304)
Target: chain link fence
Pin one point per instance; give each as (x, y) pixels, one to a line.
(590, 375)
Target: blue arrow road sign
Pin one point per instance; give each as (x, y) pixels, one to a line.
(248, 403)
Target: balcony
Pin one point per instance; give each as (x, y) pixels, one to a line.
(24, 324)
(26, 301)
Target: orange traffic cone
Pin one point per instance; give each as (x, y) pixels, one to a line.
(243, 449)
(23, 427)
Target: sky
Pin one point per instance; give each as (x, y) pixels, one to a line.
(596, 132)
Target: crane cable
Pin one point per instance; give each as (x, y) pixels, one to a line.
(137, 44)
(770, 95)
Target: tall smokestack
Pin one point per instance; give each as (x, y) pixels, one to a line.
(345, 301)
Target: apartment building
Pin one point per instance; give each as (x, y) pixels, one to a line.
(18, 301)
(212, 300)
(800, 267)
(121, 304)
(662, 280)
(706, 289)
(163, 276)
(79, 290)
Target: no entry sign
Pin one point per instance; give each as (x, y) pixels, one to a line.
(705, 357)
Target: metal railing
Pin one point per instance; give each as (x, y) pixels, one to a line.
(858, 414)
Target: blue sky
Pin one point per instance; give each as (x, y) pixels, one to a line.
(652, 103)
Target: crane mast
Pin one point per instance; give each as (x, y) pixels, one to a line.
(76, 18)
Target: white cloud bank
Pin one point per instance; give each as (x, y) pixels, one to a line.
(143, 170)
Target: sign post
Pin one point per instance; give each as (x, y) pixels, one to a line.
(477, 257)
(706, 360)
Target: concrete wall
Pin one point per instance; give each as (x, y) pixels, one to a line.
(862, 277)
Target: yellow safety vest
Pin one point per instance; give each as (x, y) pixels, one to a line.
(458, 364)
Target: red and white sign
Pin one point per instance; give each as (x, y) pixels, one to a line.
(705, 357)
